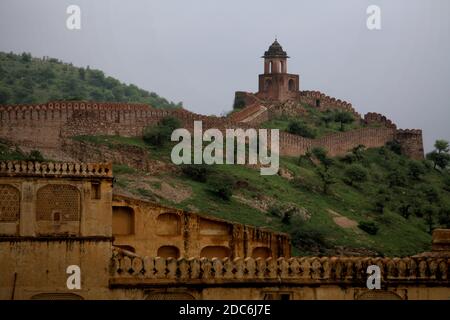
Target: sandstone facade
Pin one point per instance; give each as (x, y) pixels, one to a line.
(54, 215)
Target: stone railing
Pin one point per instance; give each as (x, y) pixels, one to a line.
(129, 269)
(54, 169)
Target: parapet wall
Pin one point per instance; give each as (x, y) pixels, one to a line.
(54, 169)
(47, 126)
(340, 143)
(376, 118)
(131, 269)
(326, 102)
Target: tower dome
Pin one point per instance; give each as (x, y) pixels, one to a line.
(275, 51)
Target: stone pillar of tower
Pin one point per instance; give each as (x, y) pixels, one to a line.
(275, 83)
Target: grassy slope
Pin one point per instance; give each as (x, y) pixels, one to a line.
(24, 79)
(396, 236)
(312, 118)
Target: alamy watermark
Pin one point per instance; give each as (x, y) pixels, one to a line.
(237, 142)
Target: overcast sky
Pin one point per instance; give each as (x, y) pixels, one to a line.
(201, 51)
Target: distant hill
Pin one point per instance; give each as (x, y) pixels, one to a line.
(25, 79)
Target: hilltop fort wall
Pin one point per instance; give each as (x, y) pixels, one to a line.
(48, 125)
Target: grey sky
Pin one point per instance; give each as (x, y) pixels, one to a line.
(201, 51)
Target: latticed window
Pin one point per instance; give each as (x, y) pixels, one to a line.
(9, 203)
(62, 201)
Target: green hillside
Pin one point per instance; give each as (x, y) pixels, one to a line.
(24, 79)
(377, 202)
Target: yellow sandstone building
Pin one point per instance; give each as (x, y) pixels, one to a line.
(56, 215)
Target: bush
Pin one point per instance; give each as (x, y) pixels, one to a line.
(343, 117)
(394, 146)
(160, 135)
(197, 172)
(416, 169)
(309, 240)
(396, 178)
(301, 129)
(355, 173)
(35, 155)
(447, 183)
(369, 226)
(381, 200)
(223, 187)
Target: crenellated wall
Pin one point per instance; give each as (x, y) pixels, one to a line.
(47, 126)
(323, 102)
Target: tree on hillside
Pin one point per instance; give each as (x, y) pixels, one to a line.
(327, 117)
(322, 170)
(416, 169)
(442, 146)
(343, 117)
(358, 151)
(301, 129)
(440, 157)
(355, 173)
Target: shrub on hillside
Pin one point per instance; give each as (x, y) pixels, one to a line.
(35, 155)
(301, 129)
(415, 169)
(308, 240)
(160, 134)
(369, 226)
(355, 173)
(222, 187)
(343, 117)
(394, 146)
(197, 172)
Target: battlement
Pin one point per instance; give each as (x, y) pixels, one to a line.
(321, 100)
(410, 131)
(130, 269)
(54, 169)
(377, 118)
(77, 105)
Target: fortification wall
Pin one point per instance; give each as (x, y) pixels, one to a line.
(46, 126)
(323, 102)
(340, 143)
(373, 118)
(411, 142)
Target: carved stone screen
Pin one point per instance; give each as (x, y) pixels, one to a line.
(9, 203)
(62, 201)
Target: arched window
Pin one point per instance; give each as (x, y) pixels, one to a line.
(271, 67)
(220, 252)
(291, 85)
(168, 252)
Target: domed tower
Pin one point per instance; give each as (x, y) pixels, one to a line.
(276, 83)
